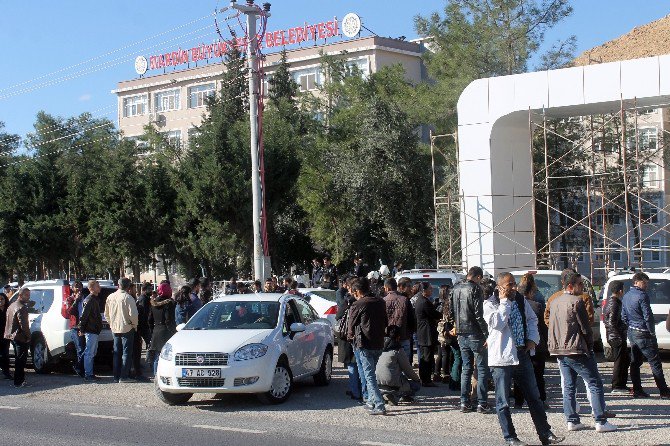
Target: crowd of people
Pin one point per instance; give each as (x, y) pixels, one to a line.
(476, 337)
(496, 332)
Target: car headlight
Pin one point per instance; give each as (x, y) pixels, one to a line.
(166, 352)
(250, 351)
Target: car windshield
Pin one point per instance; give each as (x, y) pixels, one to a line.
(547, 284)
(235, 315)
(657, 289)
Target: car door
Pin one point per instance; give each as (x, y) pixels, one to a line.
(293, 341)
(312, 339)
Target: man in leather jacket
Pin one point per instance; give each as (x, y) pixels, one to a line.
(617, 331)
(467, 312)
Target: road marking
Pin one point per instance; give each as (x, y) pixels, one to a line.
(9, 407)
(375, 443)
(92, 415)
(229, 429)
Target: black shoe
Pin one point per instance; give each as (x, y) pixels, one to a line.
(552, 439)
(465, 408)
(390, 398)
(484, 408)
(639, 393)
(516, 442)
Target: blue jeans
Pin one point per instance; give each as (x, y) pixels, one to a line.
(407, 346)
(89, 353)
(644, 345)
(79, 344)
(473, 350)
(368, 361)
(585, 367)
(123, 354)
(456, 367)
(524, 375)
(361, 378)
(354, 380)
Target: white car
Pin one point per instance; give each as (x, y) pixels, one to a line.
(433, 276)
(659, 298)
(50, 339)
(323, 301)
(246, 343)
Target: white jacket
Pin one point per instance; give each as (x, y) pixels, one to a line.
(501, 349)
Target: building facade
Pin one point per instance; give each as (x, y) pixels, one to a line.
(175, 101)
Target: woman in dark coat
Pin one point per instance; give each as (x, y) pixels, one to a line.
(162, 316)
(345, 351)
(4, 343)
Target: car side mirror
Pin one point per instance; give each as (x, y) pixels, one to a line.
(297, 327)
(180, 326)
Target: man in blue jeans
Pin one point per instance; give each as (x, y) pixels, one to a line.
(467, 313)
(90, 326)
(513, 336)
(571, 341)
(636, 313)
(121, 314)
(366, 327)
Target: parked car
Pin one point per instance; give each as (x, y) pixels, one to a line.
(433, 276)
(549, 281)
(249, 343)
(659, 298)
(50, 341)
(323, 301)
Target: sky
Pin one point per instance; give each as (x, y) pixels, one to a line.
(65, 57)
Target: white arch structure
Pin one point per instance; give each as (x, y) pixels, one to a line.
(494, 146)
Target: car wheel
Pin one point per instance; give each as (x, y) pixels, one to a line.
(282, 384)
(171, 399)
(322, 378)
(608, 353)
(40, 355)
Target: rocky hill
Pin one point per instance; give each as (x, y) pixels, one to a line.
(652, 39)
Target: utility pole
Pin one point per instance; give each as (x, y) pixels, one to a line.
(261, 261)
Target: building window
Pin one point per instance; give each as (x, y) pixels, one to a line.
(308, 79)
(197, 95)
(134, 105)
(359, 66)
(651, 177)
(192, 134)
(651, 250)
(173, 137)
(615, 256)
(648, 138)
(167, 100)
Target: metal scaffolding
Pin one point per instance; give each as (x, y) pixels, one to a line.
(598, 187)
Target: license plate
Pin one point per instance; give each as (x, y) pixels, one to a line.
(201, 373)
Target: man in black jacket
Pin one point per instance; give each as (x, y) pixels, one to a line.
(426, 333)
(366, 327)
(143, 303)
(90, 326)
(467, 311)
(617, 333)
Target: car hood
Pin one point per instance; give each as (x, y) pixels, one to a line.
(225, 341)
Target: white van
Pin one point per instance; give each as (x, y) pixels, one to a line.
(50, 340)
(659, 298)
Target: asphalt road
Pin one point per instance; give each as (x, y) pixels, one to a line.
(61, 410)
